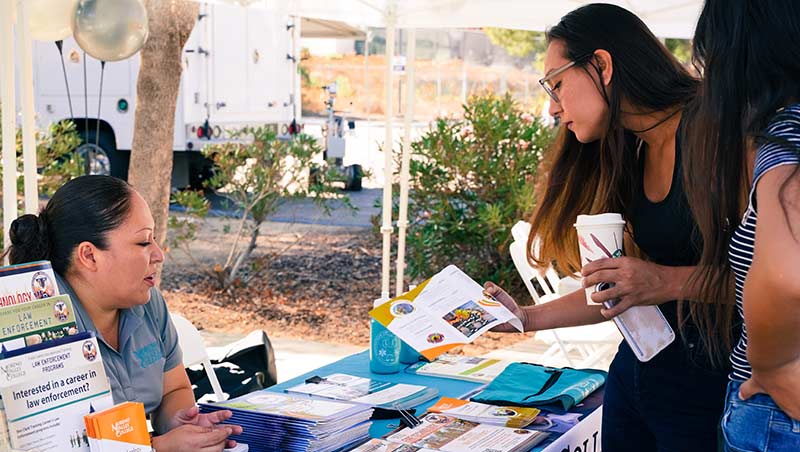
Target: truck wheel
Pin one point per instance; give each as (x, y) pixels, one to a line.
(100, 156)
(353, 175)
(201, 170)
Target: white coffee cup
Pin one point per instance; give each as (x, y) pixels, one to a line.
(599, 237)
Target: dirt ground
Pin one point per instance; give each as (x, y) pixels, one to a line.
(319, 288)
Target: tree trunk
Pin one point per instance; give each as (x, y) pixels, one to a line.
(171, 22)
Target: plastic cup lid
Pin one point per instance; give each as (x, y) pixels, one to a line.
(603, 219)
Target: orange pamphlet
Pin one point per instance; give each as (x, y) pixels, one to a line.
(506, 416)
(122, 428)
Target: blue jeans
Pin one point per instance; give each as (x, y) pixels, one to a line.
(757, 424)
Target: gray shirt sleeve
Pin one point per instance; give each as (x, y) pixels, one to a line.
(169, 335)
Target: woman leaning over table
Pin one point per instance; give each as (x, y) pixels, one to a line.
(97, 232)
(620, 96)
(744, 186)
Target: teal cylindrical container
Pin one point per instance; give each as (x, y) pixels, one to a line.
(384, 347)
(407, 354)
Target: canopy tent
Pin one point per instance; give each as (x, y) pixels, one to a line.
(321, 28)
(667, 18)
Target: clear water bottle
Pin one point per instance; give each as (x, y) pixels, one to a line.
(384, 347)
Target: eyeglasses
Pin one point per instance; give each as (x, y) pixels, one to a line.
(545, 82)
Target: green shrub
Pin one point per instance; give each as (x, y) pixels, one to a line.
(257, 172)
(56, 164)
(471, 181)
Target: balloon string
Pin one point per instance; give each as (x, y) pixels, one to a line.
(59, 45)
(85, 98)
(99, 103)
(87, 163)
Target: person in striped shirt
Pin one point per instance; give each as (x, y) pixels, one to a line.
(743, 183)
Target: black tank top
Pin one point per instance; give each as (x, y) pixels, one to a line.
(667, 234)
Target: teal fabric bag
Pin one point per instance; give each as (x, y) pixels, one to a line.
(533, 385)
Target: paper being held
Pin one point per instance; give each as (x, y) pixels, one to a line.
(446, 311)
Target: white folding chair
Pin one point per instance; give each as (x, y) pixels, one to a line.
(194, 352)
(591, 342)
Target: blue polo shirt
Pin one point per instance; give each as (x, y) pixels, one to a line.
(148, 347)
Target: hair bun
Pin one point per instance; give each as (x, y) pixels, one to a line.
(29, 237)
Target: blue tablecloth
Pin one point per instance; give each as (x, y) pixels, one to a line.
(358, 365)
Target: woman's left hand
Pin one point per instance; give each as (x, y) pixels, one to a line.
(781, 383)
(193, 416)
(636, 282)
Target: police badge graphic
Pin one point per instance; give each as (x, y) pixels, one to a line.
(89, 351)
(42, 286)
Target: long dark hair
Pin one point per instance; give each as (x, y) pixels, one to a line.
(84, 209)
(749, 54)
(603, 176)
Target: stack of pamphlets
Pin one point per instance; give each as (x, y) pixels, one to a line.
(467, 368)
(506, 416)
(46, 390)
(121, 428)
(446, 311)
(287, 423)
(450, 434)
(376, 393)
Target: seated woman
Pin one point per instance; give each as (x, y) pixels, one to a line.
(97, 232)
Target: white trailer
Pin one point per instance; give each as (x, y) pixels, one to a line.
(239, 67)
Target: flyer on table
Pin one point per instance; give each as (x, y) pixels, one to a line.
(449, 434)
(446, 311)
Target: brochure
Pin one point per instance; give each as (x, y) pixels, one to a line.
(450, 434)
(506, 416)
(46, 390)
(467, 368)
(446, 311)
(381, 445)
(27, 282)
(375, 393)
(39, 321)
(121, 428)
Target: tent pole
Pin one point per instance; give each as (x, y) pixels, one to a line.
(367, 97)
(386, 227)
(297, 86)
(24, 50)
(402, 220)
(9, 113)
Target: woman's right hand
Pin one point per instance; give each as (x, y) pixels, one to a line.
(193, 438)
(503, 297)
(780, 383)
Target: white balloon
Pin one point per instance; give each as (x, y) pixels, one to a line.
(110, 30)
(49, 20)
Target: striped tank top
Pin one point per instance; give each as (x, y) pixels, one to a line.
(784, 150)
